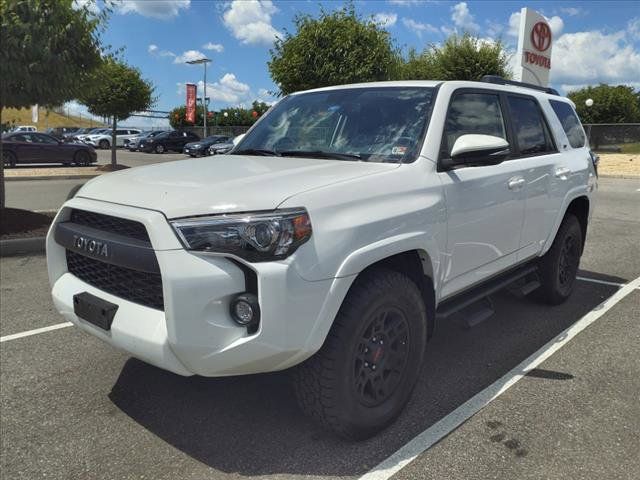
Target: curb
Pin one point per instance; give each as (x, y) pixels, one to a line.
(20, 246)
(629, 177)
(52, 177)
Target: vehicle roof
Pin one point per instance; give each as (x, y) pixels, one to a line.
(453, 83)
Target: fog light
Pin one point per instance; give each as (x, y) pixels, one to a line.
(245, 309)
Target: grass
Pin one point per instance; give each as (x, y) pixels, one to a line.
(46, 119)
(630, 147)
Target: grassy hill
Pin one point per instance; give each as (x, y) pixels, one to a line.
(46, 119)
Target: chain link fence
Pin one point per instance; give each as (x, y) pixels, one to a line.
(226, 130)
(613, 137)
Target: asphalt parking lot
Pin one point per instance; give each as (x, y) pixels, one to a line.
(73, 408)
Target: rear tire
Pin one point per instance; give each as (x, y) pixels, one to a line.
(362, 377)
(81, 158)
(104, 144)
(559, 266)
(9, 159)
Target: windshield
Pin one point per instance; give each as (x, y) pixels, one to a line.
(375, 124)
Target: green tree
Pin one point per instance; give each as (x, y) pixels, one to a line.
(178, 117)
(462, 57)
(335, 48)
(48, 49)
(116, 90)
(611, 104)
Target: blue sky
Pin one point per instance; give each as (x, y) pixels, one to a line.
(597, 41)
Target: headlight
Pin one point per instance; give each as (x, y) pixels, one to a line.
(256, 237)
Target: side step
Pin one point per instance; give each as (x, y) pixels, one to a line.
(480, 292)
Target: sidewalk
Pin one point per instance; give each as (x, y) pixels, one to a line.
(46, 173)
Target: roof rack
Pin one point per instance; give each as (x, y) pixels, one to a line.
(501, 81)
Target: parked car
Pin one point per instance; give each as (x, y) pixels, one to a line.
(103, 139)
(81, 137)
(25, 128)
(204, 146)
(33, 147)
(134, 143)
(60, 132)
(70, 136)
(339, 231)
(174, 140)
(221, 148)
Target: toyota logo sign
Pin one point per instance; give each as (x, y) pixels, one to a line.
(541, 36)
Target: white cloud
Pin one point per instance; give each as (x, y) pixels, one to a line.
(556, 23)
(462, 17)
(419, 28)
(385, 19)
(91, 5)
(189, 56)
(161, 9)
(153, 49)
(405, 3)
(572, 11)
(634, 28)
(593, 57)
(250, 21)
(216, 47)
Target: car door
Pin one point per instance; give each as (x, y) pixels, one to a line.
(485, 203)
(27, 149)
(50, 150)
(535, 148)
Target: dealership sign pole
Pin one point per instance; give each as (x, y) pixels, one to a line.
(534, 49)
(191, 103)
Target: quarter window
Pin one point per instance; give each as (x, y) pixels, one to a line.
(570, 123)
(529, 127)
(473, 113)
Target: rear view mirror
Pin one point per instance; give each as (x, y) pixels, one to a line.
(474, 149)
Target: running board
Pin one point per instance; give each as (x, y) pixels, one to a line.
(475, 294)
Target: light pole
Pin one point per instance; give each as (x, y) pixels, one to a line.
(204, 95)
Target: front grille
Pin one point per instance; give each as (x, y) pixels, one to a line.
(115, 225)
(133, 285)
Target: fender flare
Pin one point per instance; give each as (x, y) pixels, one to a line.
(573, 194)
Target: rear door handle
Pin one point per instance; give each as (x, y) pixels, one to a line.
(563, 173)
(515, 183)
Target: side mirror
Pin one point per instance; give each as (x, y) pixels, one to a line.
(474, 149)
(236, 140)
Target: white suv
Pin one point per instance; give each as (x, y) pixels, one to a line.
(103, 139)
(343, 225)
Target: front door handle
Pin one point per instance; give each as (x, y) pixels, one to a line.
(563, 173)
(515, 183)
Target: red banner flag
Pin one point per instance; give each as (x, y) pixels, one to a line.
(191, 102)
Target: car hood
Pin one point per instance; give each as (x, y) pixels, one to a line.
(222, 184)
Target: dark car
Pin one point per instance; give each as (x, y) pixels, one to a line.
(31, 147)
(201, 147)
(174, 140)
(134, 144)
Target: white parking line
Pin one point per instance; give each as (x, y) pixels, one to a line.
(602, 282)
(446, 425)
(28, 333)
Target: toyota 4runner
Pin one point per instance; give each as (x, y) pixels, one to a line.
(338, 231)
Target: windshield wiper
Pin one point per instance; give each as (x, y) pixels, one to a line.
(257, 151)
(320, 154)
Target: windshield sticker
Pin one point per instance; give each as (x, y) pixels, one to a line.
(398, 150)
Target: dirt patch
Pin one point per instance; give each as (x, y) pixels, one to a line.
(111, 168)
(619, 164)
(51, 172)
(17, 223)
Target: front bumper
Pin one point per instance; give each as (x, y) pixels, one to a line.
(195, 333)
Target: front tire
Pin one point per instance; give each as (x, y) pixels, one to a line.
(159, 148)
(559, 266)
(104, 144)
(363, 376)
(82, 159)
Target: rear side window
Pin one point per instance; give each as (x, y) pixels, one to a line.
(472, 113)
(570, 123)
(529, 127)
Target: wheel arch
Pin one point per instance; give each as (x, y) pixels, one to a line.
(417, 265)
(579, 206)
